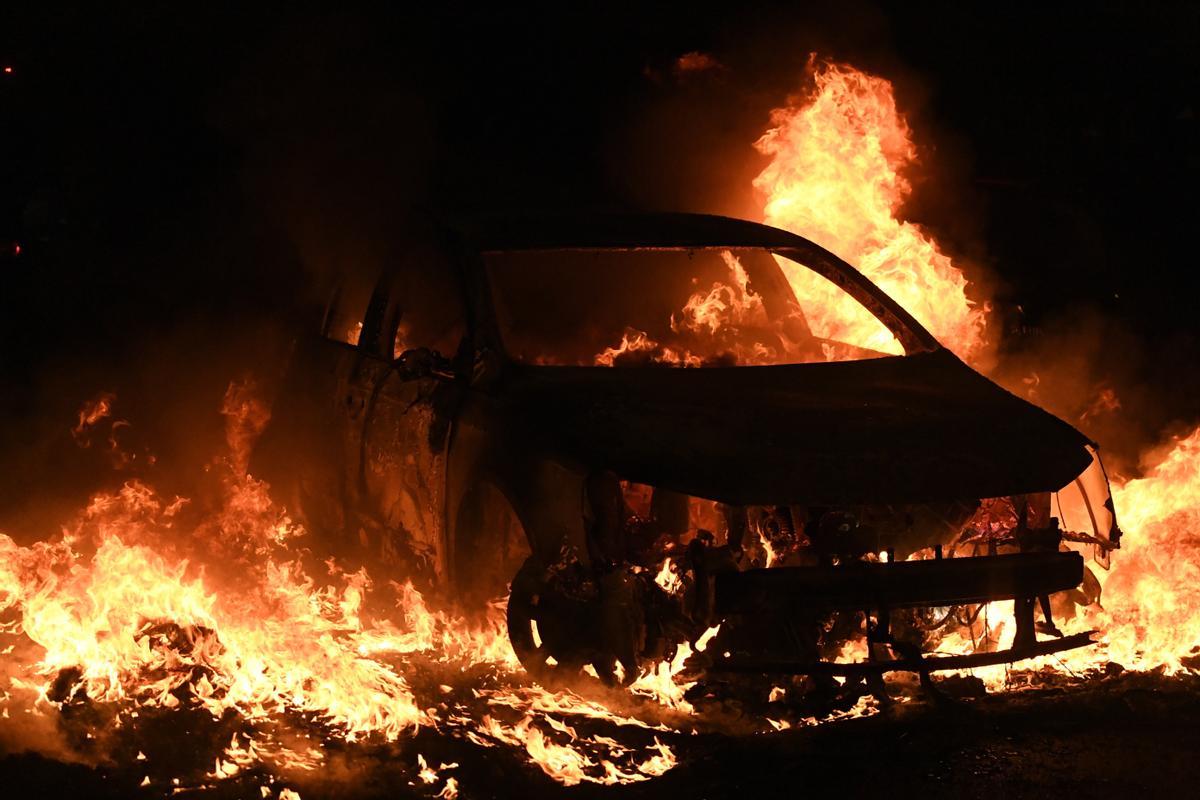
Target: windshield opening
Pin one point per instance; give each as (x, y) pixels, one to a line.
(682, 308)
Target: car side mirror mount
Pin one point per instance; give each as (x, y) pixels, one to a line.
(421, 362)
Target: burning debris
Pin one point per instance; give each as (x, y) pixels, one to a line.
(148, 609)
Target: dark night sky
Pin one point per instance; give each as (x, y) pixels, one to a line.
(170, 174)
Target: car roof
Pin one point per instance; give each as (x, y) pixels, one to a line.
(621, 231)
(675, 231)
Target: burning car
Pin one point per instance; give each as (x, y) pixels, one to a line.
(638, 426)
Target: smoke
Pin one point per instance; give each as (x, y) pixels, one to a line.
(1101, 376)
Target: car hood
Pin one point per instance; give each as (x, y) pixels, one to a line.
(897, 429)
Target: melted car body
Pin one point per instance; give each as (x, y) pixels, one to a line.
(557, 408)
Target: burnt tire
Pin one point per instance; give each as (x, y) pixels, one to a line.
(550, 618)
(524, 597)
(554, 630)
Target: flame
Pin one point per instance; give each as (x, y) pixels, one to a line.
(570, 765)
(632, 341)
(661, 682)
(695, 61)
(637, 342)
(665, 682)
(668, 577)
(727, 324)
(1152, 595)
(90, 413)
(724, 304)
(836, 176)
(768, 550)
(128, 624)
(1149, 613)
(1105, 402)
(150, 605)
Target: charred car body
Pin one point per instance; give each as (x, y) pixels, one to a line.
(642, 425)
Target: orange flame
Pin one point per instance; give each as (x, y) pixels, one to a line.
(1149, 612)
(836, 176)
(90, 413)
(120, 614)
(1152, 595)
(668, 578)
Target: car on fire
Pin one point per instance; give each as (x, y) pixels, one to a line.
(639, 426)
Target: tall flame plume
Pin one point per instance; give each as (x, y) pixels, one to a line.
(837, 176)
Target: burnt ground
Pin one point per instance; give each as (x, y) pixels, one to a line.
(1123, 737)
(1129, 735)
